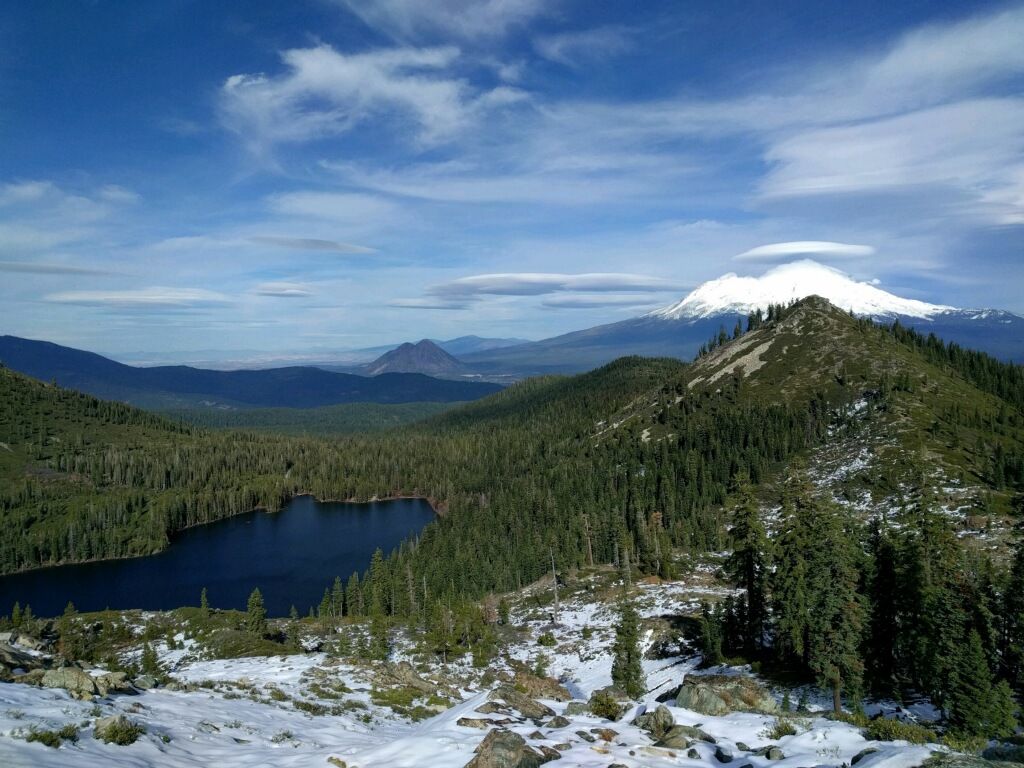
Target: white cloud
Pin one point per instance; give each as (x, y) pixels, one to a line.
(340, 207)
(283, 290)
(596, 302)
(140, 297)
(782, 251)
(324, 93)
(49, 268)
(539, 283)
(310, 244)
(428, 304)
(576, 49)
(465, 19)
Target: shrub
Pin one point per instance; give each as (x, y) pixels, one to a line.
(782, 727)
(604, 705)
(122, 732)
(882, 729)
(49, 738)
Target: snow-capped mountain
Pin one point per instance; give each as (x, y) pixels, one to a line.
(678, 330)
(733, 294)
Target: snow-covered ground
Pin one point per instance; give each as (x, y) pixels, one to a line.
(244, 712)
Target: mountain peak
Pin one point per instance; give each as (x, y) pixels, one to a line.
(422, 357)
(733, 294)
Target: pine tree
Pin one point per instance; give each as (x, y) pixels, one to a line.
(1013, 618)
(16, 615)
(836, 610)
(380, 641)
(975, 706)
(627, 671)
(710, 635)
(337, 598)
(748, 563)
(204, 604)
(150, 662)
(256, 614)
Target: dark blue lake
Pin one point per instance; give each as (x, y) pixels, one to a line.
(290, 555)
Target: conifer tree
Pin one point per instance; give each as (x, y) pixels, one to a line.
(748, 563)
(1013, 618)
(975, 706)
(337, 598)
(150, 663)
(16, 615)
(627, 671)
(256, 614)
(204, 604)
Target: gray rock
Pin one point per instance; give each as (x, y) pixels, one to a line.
(504, 749)
(576, 708)
(518, 701)
(403, 673)
(116, 682)
(774, 753)
(721, 694)
(656, 723)
(15, 658)
(492, 707)
(723, 754)
(1005, 753)
(676, 738)
(474, 722)
(694, 733)
(145, 682)
(557, 722)
(75, 681)
(586, 736)
(861, 755)
(693, 754)
(742, 748)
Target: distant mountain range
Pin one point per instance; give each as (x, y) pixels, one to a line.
(422, 357)
(681, 328)
(181, 386)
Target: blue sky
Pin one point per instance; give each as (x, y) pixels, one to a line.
(192, 179)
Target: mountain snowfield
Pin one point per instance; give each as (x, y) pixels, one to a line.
(733, 294)
(229, 720)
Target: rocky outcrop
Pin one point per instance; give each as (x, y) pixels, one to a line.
(540, 687)
(505, 749)
(520, 702)
(75, 681)
(656, 723)
(403, 674)
(721, 694)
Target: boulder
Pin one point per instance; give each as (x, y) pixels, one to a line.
(145, 682)
(15, 658)
(557, 722)
(1004, 753)
(521, 702)
(723, 754)
(75, 681)
(116, 682)
(474, 722)
(656, 723)
(576, 708)
(676, 737)
(605, 734)
(721, 694)
(694, 733)
(586, 737)
(540, 687)
(504, 749)
(861, 755)
(742, 747)
(402, 673)
(492, 707)
(693, 754)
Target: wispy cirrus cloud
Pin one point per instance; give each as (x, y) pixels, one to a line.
(783, 251)
(596, 302)
(140, 298)
(324, 92)
(539, 283)
(575, 49)
(283, 290)
(464, 19)
(310, 244)
(50, 268)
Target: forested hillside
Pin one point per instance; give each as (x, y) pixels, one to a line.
(633, 460)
